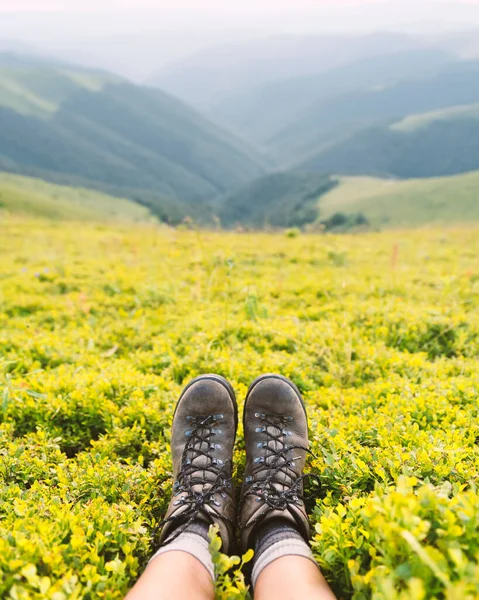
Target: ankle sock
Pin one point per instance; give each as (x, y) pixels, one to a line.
(276, 539)
(195, 541)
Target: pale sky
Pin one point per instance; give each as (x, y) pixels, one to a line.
(166, 5)
(107, 5)
(134, 36)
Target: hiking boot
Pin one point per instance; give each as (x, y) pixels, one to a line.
(202, 440)
(276, 439)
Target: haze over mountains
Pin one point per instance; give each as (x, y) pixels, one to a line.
(253, 132)
(133, 38)
(216, 74)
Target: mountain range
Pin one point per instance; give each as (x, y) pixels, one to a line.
(90, 128)
(339, 120)
(248, 145)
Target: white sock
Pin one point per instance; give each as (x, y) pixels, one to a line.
(277, 539)
(193, 541)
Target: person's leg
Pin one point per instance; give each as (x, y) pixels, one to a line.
(273, 519)
(174, 576)
(290, 578)
(202, 440)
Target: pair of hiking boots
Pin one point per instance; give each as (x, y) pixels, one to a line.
(202, 441)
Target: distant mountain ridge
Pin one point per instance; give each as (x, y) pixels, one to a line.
(83, 127)
(442, 147)
(215, 74)
(335, 117)
(327, 104)
(263, 112)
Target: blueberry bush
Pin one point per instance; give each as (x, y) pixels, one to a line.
(101, 326)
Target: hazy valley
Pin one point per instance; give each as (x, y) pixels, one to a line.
(249, 134)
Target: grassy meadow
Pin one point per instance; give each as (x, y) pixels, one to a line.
(26, 196)
(399, 203)
(102, 325)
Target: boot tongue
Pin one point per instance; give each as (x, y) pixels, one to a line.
(202, 461)
(282, 480)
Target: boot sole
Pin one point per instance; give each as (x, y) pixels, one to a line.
(219, 379)
(277, 377)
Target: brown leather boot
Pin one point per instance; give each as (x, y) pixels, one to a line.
(276, 439)
(202, 440)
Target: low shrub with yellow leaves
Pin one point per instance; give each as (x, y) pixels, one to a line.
(101, 327)
(230, 582)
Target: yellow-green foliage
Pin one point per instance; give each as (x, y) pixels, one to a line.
(100, 327)
(230, 580)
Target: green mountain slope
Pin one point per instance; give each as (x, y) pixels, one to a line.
(439, 147)
(28, 196)
(86, 128)
(407, 203)
(278, 200)
(337, 117)
(261, 112)
(422, 120)
(36, 88)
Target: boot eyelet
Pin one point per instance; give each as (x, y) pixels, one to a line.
(260, 429)
(218, 417)
(259, 415)
(188, 433)
(216, 431)
(261, 444)
(248, 479)
(215, 446)
(259, 460)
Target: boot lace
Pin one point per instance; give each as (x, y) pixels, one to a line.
(274, 479)
(201, 500)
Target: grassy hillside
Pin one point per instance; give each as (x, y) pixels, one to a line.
(279, 200)
(36, 198)
(408, 203)
(102, 327)
(36, 89)
(263, 111)
(331, 120)
(84, 128)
